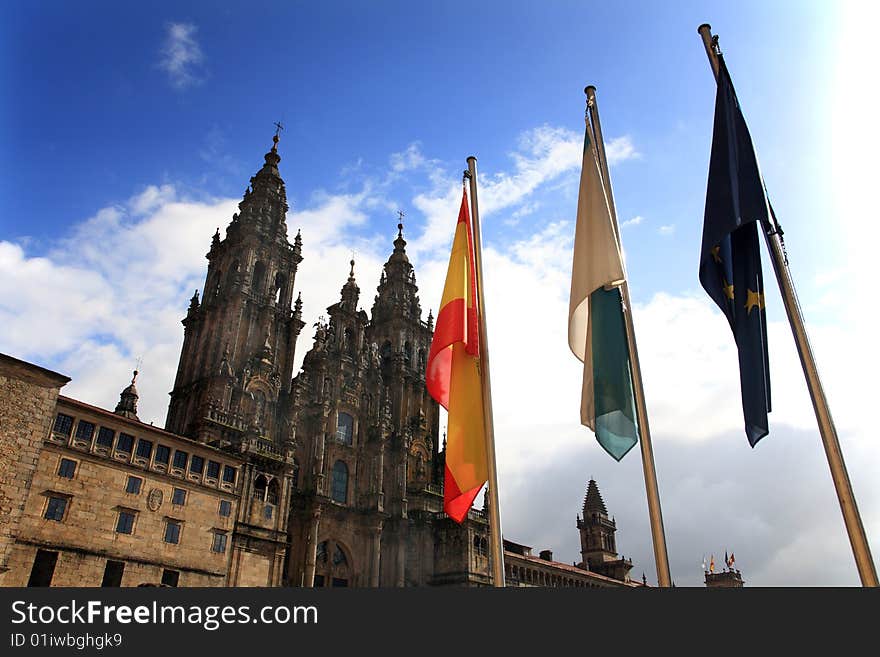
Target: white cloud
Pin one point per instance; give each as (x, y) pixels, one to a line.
(544, 155)
(666, 230)
(181, 55)
(409, 159)
(620, 149)
(635, 221)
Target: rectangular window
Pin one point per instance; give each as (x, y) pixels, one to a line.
(170, 577)
(144, 448)
(178, 497)
(267, 511)
(133, 485)
(125, 522)
(163, 453)
(213, 469)
(196, 464)
(43, 568)
(55, 508)
(228, 474)
(219, 544)
(113, 573)
(225, 508)
(319, 581)
(105, 437)
(172, 532)
(124, 443)
(66, 468)
(63, 425)
(85, 431)
(180, 459)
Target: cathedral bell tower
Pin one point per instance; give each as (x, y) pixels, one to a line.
(234, 376)
(598, 544)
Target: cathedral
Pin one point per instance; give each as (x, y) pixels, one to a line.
(331, 476)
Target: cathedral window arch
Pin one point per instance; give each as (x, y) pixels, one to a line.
(349, 344)
(260, 485)
(280, 283)
(259, 277)
(272, 493)
(407, 352)
(344, 428)
(333, 565)
(385, 353)
(218, 282)
(339, 482)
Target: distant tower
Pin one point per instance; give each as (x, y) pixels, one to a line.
(236, 363)
(598, 545)
(128, 400)
(728, 578)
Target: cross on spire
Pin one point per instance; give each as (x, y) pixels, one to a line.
(278, 129)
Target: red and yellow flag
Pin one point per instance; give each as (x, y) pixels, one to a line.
(453, 375)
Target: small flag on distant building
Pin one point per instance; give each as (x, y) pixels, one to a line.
(596, 329)
(730, 258)
(453, 375)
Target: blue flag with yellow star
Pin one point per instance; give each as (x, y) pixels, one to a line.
(730, 259)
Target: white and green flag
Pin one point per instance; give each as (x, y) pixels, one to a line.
(596, 330)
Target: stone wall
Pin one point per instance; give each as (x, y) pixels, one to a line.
(27, 401)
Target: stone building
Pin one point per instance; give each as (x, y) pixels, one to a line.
(331, 477)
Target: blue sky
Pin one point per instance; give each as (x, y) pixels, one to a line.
(130, 132)
(95, 114)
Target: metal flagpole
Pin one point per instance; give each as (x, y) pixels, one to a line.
(497, 548)
(661, 558)
(773, 235)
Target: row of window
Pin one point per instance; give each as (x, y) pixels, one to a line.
(67, 469)
(113, 571)
(57, 504)
(125, 522)
(540, 578)
(125, 443)
(43, 570)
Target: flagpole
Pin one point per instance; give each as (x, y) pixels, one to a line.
(773, 235)
(661, 558)
(495, 542)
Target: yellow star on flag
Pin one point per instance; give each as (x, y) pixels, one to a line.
(728, 290)
(716, 253)
(754, 299)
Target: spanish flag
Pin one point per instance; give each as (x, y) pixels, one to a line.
(453, 375)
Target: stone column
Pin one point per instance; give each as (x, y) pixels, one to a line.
(319, 464)
(401, 561)
(312, 548)
(375, 536)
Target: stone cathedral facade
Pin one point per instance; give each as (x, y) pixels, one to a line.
(330, 476)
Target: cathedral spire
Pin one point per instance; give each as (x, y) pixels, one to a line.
(128, 400)
(400, 243)
(350, 291)
(593, 502)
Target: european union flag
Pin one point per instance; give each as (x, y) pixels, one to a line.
(730, 259)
